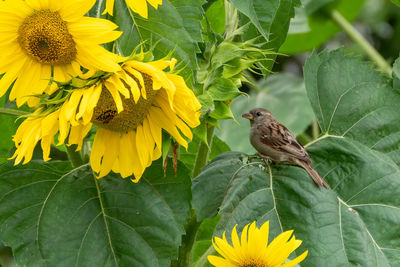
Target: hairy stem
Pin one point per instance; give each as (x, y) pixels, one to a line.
(193, 225)
(202, 154)
(187, 242)
(74, 156)
(362, 42)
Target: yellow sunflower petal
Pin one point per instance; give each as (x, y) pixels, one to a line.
(164, 122)
(96, 57)
(149, 140)
(115, 95)
(252, 248)
(138, 168)
(155, 3)
(219, 262)
(83, 106)
(132, 84)
(75, 9)
(94, 30)
(296, 260)
(109, 7)
(98, 149)
(142, 146)
(138, 6)
(125, 156)
(63, 123)
(155, 131)
(111, 153)
(77, 135)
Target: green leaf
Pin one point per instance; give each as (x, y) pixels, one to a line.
(215, 15)
(321, 26)
(53, 216)
(299, 24)
(350, 98)
(175, 25)
(206, 101)
(201, 131)
(358, 219)
(276, 94)
(223, 89)
(268, 16)
(396, 74)
(222, 111)
(269, 19)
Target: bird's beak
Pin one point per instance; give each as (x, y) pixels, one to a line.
(248, 116)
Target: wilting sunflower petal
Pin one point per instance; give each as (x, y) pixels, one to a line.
(129, 114)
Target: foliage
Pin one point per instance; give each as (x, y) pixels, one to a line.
(234, 55)
(124, 223)
(335, 224)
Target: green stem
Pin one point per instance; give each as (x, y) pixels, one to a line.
(315, 129)
(202, 154)
(187, 242)
(74, 156)
(12, 112)
(360, 40)
(193, 225)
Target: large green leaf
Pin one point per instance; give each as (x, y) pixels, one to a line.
(317, 26)
(268, 19)
(350, 98)
(284, 95)
(174, 25)
(357, 222)
(53, 216)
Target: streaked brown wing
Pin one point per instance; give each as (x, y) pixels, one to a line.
(280, 138)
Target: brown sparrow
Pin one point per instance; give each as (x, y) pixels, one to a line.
(274, 141)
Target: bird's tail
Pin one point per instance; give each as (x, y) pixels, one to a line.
(313, 174)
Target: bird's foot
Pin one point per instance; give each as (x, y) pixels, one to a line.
(265, 158)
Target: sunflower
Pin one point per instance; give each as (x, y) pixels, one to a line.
(130, 108)
(253, 250)
(137, 6)
(44, 40)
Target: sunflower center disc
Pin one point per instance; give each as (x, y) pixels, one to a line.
(106, 115)
(44, 36)
(253, 264)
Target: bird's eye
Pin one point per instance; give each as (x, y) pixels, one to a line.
(258, 114)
